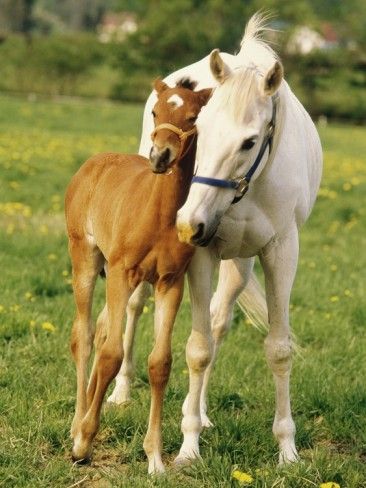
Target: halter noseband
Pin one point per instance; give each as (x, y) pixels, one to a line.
(241, 185)
(183, 135)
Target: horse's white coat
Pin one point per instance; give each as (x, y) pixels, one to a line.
(264, 223)
(176, 100)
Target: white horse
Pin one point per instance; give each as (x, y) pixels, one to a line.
(257, 146)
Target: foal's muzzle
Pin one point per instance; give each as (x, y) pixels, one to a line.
(160, 159)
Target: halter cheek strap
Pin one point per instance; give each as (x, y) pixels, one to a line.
(241, 185)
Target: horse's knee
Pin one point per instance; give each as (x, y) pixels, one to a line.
(278, 353)
(80, 341)
(159, 369)
(110, 361)
(220, 325)
(198, 352)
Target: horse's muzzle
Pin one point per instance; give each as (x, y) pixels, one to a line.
(198, 235)
(160, 159)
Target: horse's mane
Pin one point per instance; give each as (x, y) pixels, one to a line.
(256, 57)
(253, 48)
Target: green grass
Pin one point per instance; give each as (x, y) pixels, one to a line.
(41, 145)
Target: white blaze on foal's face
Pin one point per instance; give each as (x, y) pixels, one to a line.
(176, 100)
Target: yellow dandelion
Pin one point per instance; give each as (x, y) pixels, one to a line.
(329, 484)
(28, 295)
(334, 299)
(312, 265)
(48, 326)
(14, 308)
(328, 315)
(346, 186)
(243, 478)
(348, 292)
(65, 272)
(32, 324)
(145, 309)
(52, 257)
(2, 309)
(333, 267)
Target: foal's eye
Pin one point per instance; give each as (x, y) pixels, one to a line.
(153, 114)
(247, 144)
(192, 119)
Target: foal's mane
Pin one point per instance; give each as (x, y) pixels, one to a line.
(255, 58)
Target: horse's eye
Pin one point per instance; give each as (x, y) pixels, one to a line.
(247, 144)
(192, 119)
(153, 114)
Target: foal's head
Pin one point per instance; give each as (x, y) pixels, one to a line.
(175, 114)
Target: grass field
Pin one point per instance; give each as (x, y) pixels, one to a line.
(41, 145)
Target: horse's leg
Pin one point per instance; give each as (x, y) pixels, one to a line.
(107, 362)
(279, 261)
(121, 392)
(167, 301)
(233, 278)
(198, 350)
(86, 263)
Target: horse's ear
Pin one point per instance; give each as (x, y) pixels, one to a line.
(204, 95)
(272, 79)
(219, 69)
(160, 86)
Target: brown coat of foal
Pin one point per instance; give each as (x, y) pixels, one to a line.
(120, 213)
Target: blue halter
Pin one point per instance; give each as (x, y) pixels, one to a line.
(241, 185)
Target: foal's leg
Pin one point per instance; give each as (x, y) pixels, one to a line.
(107, 363)
(167, 301)
(233, 278)
(198, 350)
(279, 261)
(121, 392)
(86, 264)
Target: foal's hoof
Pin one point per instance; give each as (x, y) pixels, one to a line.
(206, 422)
(81, 462)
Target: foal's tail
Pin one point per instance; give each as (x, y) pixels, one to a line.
(252, 302)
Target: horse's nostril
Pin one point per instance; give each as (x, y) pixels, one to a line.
(200, 231)
(164, 156)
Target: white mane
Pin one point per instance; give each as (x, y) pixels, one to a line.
(253, 48)
(255, 57)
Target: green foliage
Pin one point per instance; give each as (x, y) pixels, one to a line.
(50, 65)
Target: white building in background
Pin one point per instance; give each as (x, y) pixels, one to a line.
(116, 27)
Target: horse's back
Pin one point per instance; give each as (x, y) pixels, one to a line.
(95, 183)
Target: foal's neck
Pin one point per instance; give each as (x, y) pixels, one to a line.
(172, 189)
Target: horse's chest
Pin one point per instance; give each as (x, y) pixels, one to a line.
(165, 261)
(242, 237)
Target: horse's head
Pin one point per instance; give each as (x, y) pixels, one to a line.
(175, 114)
(232, 128)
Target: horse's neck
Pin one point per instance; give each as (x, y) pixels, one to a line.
(171, 190)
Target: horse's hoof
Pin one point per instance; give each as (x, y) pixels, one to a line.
(206, 422)
(81, 462)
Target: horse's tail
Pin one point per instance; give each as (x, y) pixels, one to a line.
(252, 302)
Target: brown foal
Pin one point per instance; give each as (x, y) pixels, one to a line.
(120, 214)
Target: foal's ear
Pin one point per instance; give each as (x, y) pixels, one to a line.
(160, 86)
(272, 79)
(219, 69)
(204, 95)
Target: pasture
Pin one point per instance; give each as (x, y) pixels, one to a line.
(41, 146)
